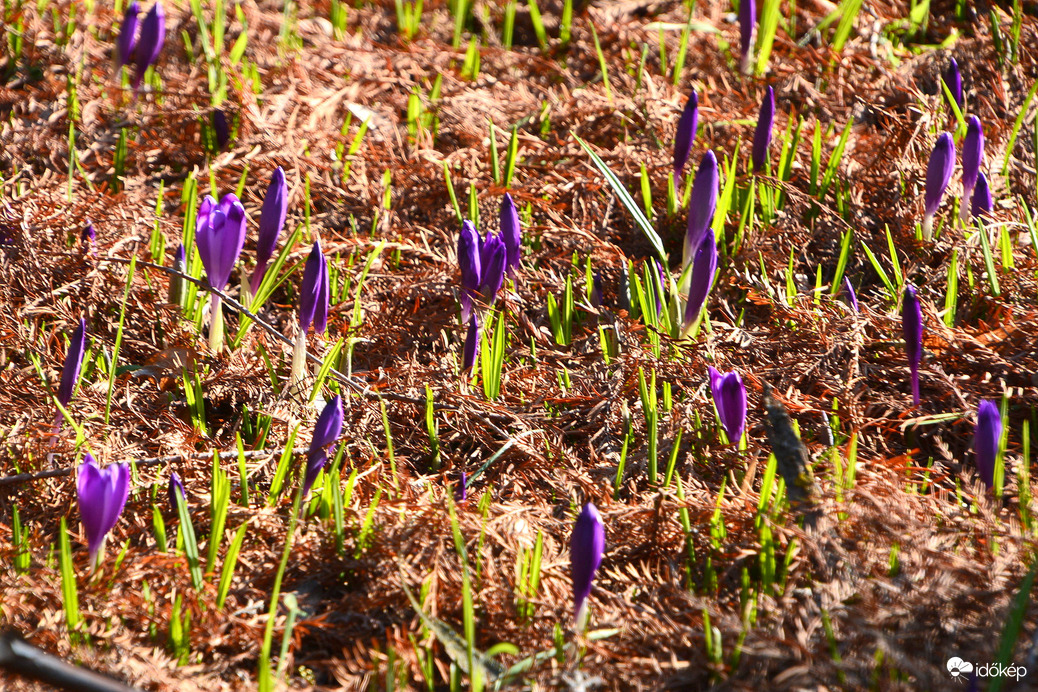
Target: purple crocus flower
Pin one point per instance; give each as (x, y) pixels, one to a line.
(221, 129)
(461, 493)
(685, 135)
(953, 79)
(272, 220)
(493, 257)
(219, 235)
(762, 135)
(88, 235)
(982, 203)
(149, 45)
(851, 295)
(314, 293)
(701, 206)
(176, 487)
(511, 233)
(912, 329)
(102, 496)
(471, 270)
(938, 173)
(468, 354)
(73, 362)
(972, 158)
(704, 266)
(730, 399)
(747, 21)
(986, 439)
(586, 547)
(326, 431)
(127, 40)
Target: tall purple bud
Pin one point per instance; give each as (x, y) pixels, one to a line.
(747, 22)
(730, 399)
(972, 158)
(587, 545)
(851, 295)
(272, 220)
(175, 490)
(221, 129)
(982, 203)
(461, 492)
(704, 266)
(471, 270)
(762, 135)
(701, 206)
(912, 329)
(493, 258)
(986, 439)
(511, 233)
(149, 45)
(953, 79)
(326, 431)
(73, 362)
(127, 40)
(313, 294)
(685, 135)
(102, 495)
(468, 354)
(219, 235)
(938, 173)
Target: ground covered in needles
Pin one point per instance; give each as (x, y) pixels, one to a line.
(908, 561)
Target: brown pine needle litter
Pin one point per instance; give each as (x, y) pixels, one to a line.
(891, 561)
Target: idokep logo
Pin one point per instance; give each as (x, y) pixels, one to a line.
(960, 670)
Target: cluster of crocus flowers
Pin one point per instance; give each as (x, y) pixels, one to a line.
(762, 135)
(912, 329)
(972, 159)
(685, 135)
(271, 222)
(326, 432)
(986, 440)
(219, 235)
(587, 544)
(747, 23)
(102, 495)
(140, 49)
(313, 308)
(700, 247)
(730, 399)
(938, 174)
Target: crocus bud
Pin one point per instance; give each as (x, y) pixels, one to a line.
(313, 295)
(461, 493)
(704, 266)
(938, 173)
(851, 295)
(493, 258)
(972, 158)
(102, 496)
(985, 440)
(730, 399)
(762, 135)
(326, 431)
(149, 45)
(220, 235)
(586, 547)
(511, 234)
(701, 206)
(685, 135)
(982, 202)
(127, 40)
(747, 21)
(912, 329)
(175, 489)
(73, 362)
(596, 290)
(88, 236)
(221, 130)
(272, 220)
(471, 270)
(468, 354)
(953, 79)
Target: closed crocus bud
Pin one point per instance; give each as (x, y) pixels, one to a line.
(493, 258)
(701, 206)
(468, 354)
(461, 493)
(704, 266)
(313, 295)
(73, 362)
(851, 295)
(471, 270)
(985, 440)
(730, 399)
(586, 548)
(219, 236)
(747, 21)
(175, 490)
(221, 129)
(511, 234)
(938, 173)
(685, 135)
(953, 79)
(972, 158)
(272, 220)
(326, 431)
(596, 290)
(982, 203)
(127, 40)
(762, 135)
(149, 45)
(912, 329)
(102, 496)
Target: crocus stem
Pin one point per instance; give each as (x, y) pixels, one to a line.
(964, 205)
(928, 227)
(582, 618)
(915, 385)
(298, 362)
(216, 323)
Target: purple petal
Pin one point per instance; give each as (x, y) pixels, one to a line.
(939, 171)
(982, 203)
(851, 295)
(176, 487)
(272, 217)
(221, 130)
(149, 45)
(953, 79)
(703, 269)
(469, 261)
(747, 20)
(468, 354)
(127, 35)
(73, 362)
(313, 290)
(102, 496)
(685, 135)
(733, 393)
(88, 235)
(587, 545)
(511, 233)
(327, 430)
(762, 135)
(701, 206)
(985, 440)
(493, 259)
(972, 154)
(912, 330)
(220, 235)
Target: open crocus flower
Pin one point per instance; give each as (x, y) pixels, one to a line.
(972, 158)
(912, 329)
(219, 235)
(701, 208)
(938, 173)
(762, 135)
(314, 295)
(149, 45)
(102, 496)
(953, 79)
(511, 234)
(730, 400)
(272, 220)
(702, 278)
(685, 135)
(587, 545)
(127, 40)
(747, 21)
(326, 431)
(986, 439)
